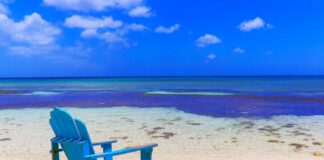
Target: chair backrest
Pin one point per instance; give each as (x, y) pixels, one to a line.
(70, 132)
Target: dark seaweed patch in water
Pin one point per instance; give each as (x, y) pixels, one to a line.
(5, 91)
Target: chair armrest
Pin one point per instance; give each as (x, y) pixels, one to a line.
(141, 147)
(104, 143)
(121, 151)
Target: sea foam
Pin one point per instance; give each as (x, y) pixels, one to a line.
(41, 93)
(189, 93)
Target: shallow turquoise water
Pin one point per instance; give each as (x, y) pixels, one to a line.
(306, 83)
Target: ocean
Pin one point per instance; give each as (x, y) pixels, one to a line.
(252, 97)
(232, 118)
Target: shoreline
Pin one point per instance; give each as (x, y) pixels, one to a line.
(160, 107)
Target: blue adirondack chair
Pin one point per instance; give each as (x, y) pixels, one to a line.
(72, 136)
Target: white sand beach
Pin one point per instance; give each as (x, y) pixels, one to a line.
(25, 134)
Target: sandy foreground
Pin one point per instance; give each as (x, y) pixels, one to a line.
(25, 134)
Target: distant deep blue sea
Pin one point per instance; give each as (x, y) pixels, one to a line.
(212, 96)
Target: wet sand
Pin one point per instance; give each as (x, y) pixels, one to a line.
(25, 134)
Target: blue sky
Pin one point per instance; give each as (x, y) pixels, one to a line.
(44, 38)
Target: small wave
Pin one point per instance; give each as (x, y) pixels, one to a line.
(189, 93)
(41, 93)
(310, 93)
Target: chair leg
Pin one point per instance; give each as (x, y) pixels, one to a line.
(107, 148)
(55, 151)
(146, 154)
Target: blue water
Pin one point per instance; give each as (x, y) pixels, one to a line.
(212, 96)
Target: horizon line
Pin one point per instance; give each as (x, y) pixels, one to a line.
(184, 76)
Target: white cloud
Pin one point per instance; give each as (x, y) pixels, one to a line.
(92, 5)
(87, 22)
(33, 30)
(110, 31)
(88, 33)
(31, 50)
(113, 37)
(136, 27)
(3, 9)
(238, 50)
(106, 28)
(253, 24)
(207, 40)
(132, 27)
(162, 29)
(73, 53)
(34, 36)
(140, 11)
(3, 6)
(211, 56)
(31, 36)
(108, 36)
